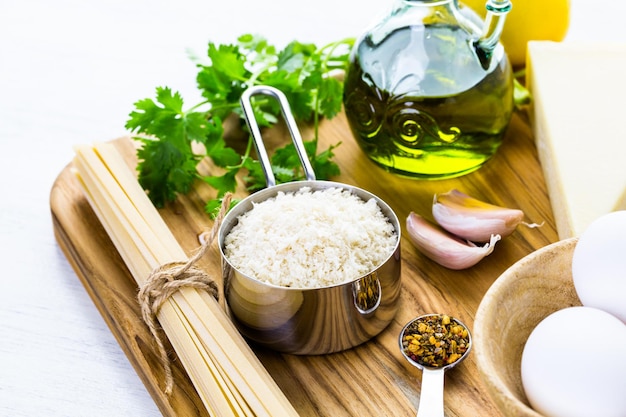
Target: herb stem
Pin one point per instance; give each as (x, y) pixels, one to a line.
(167, 162)
(197, 106)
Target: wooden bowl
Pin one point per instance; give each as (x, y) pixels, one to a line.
(534, 287)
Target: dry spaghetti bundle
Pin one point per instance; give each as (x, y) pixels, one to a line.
(229, 378)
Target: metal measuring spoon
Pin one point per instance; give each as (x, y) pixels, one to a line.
(431, 362)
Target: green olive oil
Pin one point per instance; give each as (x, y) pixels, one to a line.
(425, 111)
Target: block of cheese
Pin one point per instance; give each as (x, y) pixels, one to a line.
(578, 116)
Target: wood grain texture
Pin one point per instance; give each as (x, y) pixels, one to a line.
(372, 379)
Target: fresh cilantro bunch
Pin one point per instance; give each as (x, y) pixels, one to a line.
(170, 134)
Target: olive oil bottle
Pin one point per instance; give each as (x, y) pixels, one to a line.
(428, 93)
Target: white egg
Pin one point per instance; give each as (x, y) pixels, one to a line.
(599, 264)
(573, 364)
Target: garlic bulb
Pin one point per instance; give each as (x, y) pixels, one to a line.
(473, 219)
(445, 248)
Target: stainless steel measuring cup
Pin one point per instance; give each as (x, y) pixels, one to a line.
(307, 320)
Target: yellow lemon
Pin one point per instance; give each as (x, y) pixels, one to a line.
(529, 20)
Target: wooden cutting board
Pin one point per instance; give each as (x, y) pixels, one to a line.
(372, 379)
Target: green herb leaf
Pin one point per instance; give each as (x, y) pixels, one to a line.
(174, 140)
(330, 97)
(223, 183)
(167, 164)
(323, 166)
(164, 170)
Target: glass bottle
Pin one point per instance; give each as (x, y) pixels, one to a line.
(429, 90)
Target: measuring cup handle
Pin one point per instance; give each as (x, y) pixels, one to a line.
(431, 397)
(255, 131)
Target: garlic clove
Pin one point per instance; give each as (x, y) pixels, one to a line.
(472, 219)
(444, 248)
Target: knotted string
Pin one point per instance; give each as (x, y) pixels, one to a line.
(168, 278)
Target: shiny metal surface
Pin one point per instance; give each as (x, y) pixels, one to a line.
(431, 396)
(309, 321)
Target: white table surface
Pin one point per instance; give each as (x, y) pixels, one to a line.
(69, 73)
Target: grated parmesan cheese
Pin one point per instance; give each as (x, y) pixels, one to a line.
(310, 239)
